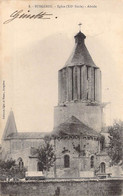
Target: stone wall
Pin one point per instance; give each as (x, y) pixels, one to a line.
(89, 115)
(78, 160)
(20, 148)
(5, 149)
(63, 188)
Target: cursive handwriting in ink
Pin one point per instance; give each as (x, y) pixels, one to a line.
(20, 15)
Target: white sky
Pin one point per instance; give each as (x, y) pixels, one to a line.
(34, 50)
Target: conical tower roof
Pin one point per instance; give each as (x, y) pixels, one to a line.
(80, 55)
(10, 127)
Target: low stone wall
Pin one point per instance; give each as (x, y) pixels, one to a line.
(63, 188)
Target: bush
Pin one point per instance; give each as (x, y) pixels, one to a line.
(10, 169)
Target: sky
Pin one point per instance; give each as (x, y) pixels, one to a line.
(34, 50)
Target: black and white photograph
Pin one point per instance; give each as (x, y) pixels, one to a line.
(61, 98)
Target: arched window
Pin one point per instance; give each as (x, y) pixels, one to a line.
(20, 163)
(102, 145)
(66, 161)
(39, 166)
(102, 167)
(92, 162)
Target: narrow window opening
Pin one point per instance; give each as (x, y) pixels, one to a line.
(102, 145)
(21, 164)
(102, 167)
(92, 162)
(39, 166)
(66, 161)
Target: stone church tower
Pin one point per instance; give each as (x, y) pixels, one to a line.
(79, 84)
(79, 147)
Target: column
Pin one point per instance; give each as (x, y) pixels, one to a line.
(69, 78)
(92, 83)
(79, 83)
(75, 83)
(97, 85)
(84, 84)
(59, 87)
(64, 90)
(89, 82)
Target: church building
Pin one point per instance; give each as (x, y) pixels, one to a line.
(78, 120)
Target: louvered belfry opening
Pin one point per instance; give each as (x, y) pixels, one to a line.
(80, 78)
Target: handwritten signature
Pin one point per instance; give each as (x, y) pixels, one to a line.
(20, 15)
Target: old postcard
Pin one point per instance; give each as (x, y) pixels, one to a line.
(61, 92)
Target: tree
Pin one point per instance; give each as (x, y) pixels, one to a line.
(115, 149)
(9, 168)
(46, 156)
(18, 172)
(7, 164)
(5, 167)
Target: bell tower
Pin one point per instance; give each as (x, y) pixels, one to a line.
(79, 88)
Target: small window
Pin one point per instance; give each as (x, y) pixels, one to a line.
(102, 145)
(102, 167)
(39, 166)
(21, 164)
(66, 161)
(92, 162)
